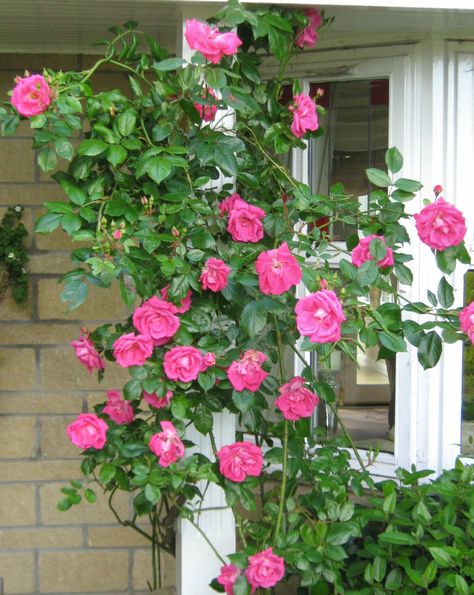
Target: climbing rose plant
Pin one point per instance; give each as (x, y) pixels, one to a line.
(208, 235)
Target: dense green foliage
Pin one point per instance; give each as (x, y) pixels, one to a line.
(13, 254)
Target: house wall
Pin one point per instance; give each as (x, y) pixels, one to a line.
(42, 389)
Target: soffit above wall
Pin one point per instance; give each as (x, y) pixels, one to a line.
(72, 26)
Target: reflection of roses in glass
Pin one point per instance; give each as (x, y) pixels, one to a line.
(319, 316)
(207, 40)
(295, 400)
(309, 35)
(119, 410)
(31, 95)
(239, 460)
(361, 253)
(265, 569)
(88, 431)
(87, 354)
(304, 115)
(466, 319)
(215, 275)
(132, 350)
(167, 445)
(183, 363)
(277, 270)
(157, 319)
(440, 225)
(246, 373)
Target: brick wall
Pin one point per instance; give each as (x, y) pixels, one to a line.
(42, 389)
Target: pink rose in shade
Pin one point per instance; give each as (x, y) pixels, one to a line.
(319, 316)
(157, 319)
(158, 402)
(304, 115)
(207, 112)
(239, 460)
(361, 253)
(466, 319)
(229, 574)
(119, 410)
(246, 373)
(88, 431)
(277, 270)
(87, 354)
(183, 363)
(309, 35)
(132, 350)
(185, 303)
(440, 225)
(215, 275)
(229, 203)
(245, 222)
(207, 40)
(295, 400)
(209, 359)
(31, 95)
(265, 569)
(167, 445)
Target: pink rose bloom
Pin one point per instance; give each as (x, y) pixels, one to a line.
(117, 234)
(88, 431)
(304, 115)
(265, 569)
(230, 203)
(309, 36)
(158, 402)
(132, 350)
(239, 460)
(183, 363)
(87, 354)
(245, 222)
(31, 95)
(207, 40)
(157, 319)
(361, 253)
(209, 359)
(167, 445)
(246, 373)
(215, 275)
(466, 319)
(119, 410)
(319, 316)
(185, 303)
(207, 112)
(295, 400)
(277, 270)
(229, 574)
(440, 225)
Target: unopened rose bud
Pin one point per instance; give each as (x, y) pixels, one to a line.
(319, 92)
(323, 284)
(117, 234)
(169, 395)
(174, 232)
(437, 190)
(144, 200)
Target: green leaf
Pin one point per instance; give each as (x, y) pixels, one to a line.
(215, 78)
(243, 400)
(253, 318)
(158, 169)
(378, 177)
(378, 249)
(397, 538)
(367, 273)
(278, 43)
(226, 161)
(461, 585)
(169, 64)
(90, 496)
(75, 292)
(126, 122)
(392, 342)
(241, 586)
(429, 350)
(277, 21)
(92, 147)
(107, 473)
(446, 259)
(116, 155)
(380, 568)
(203, 419)
(445, 293)
(394, 579)
(404, 274)
(48, 223)
(71, 223)
(152, 493)
(64, 149)
(76, 194)
(408, 185)
(47, 159)
(394, 160)
(441, 556)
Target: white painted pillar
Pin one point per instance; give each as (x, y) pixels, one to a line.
(196, 563)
